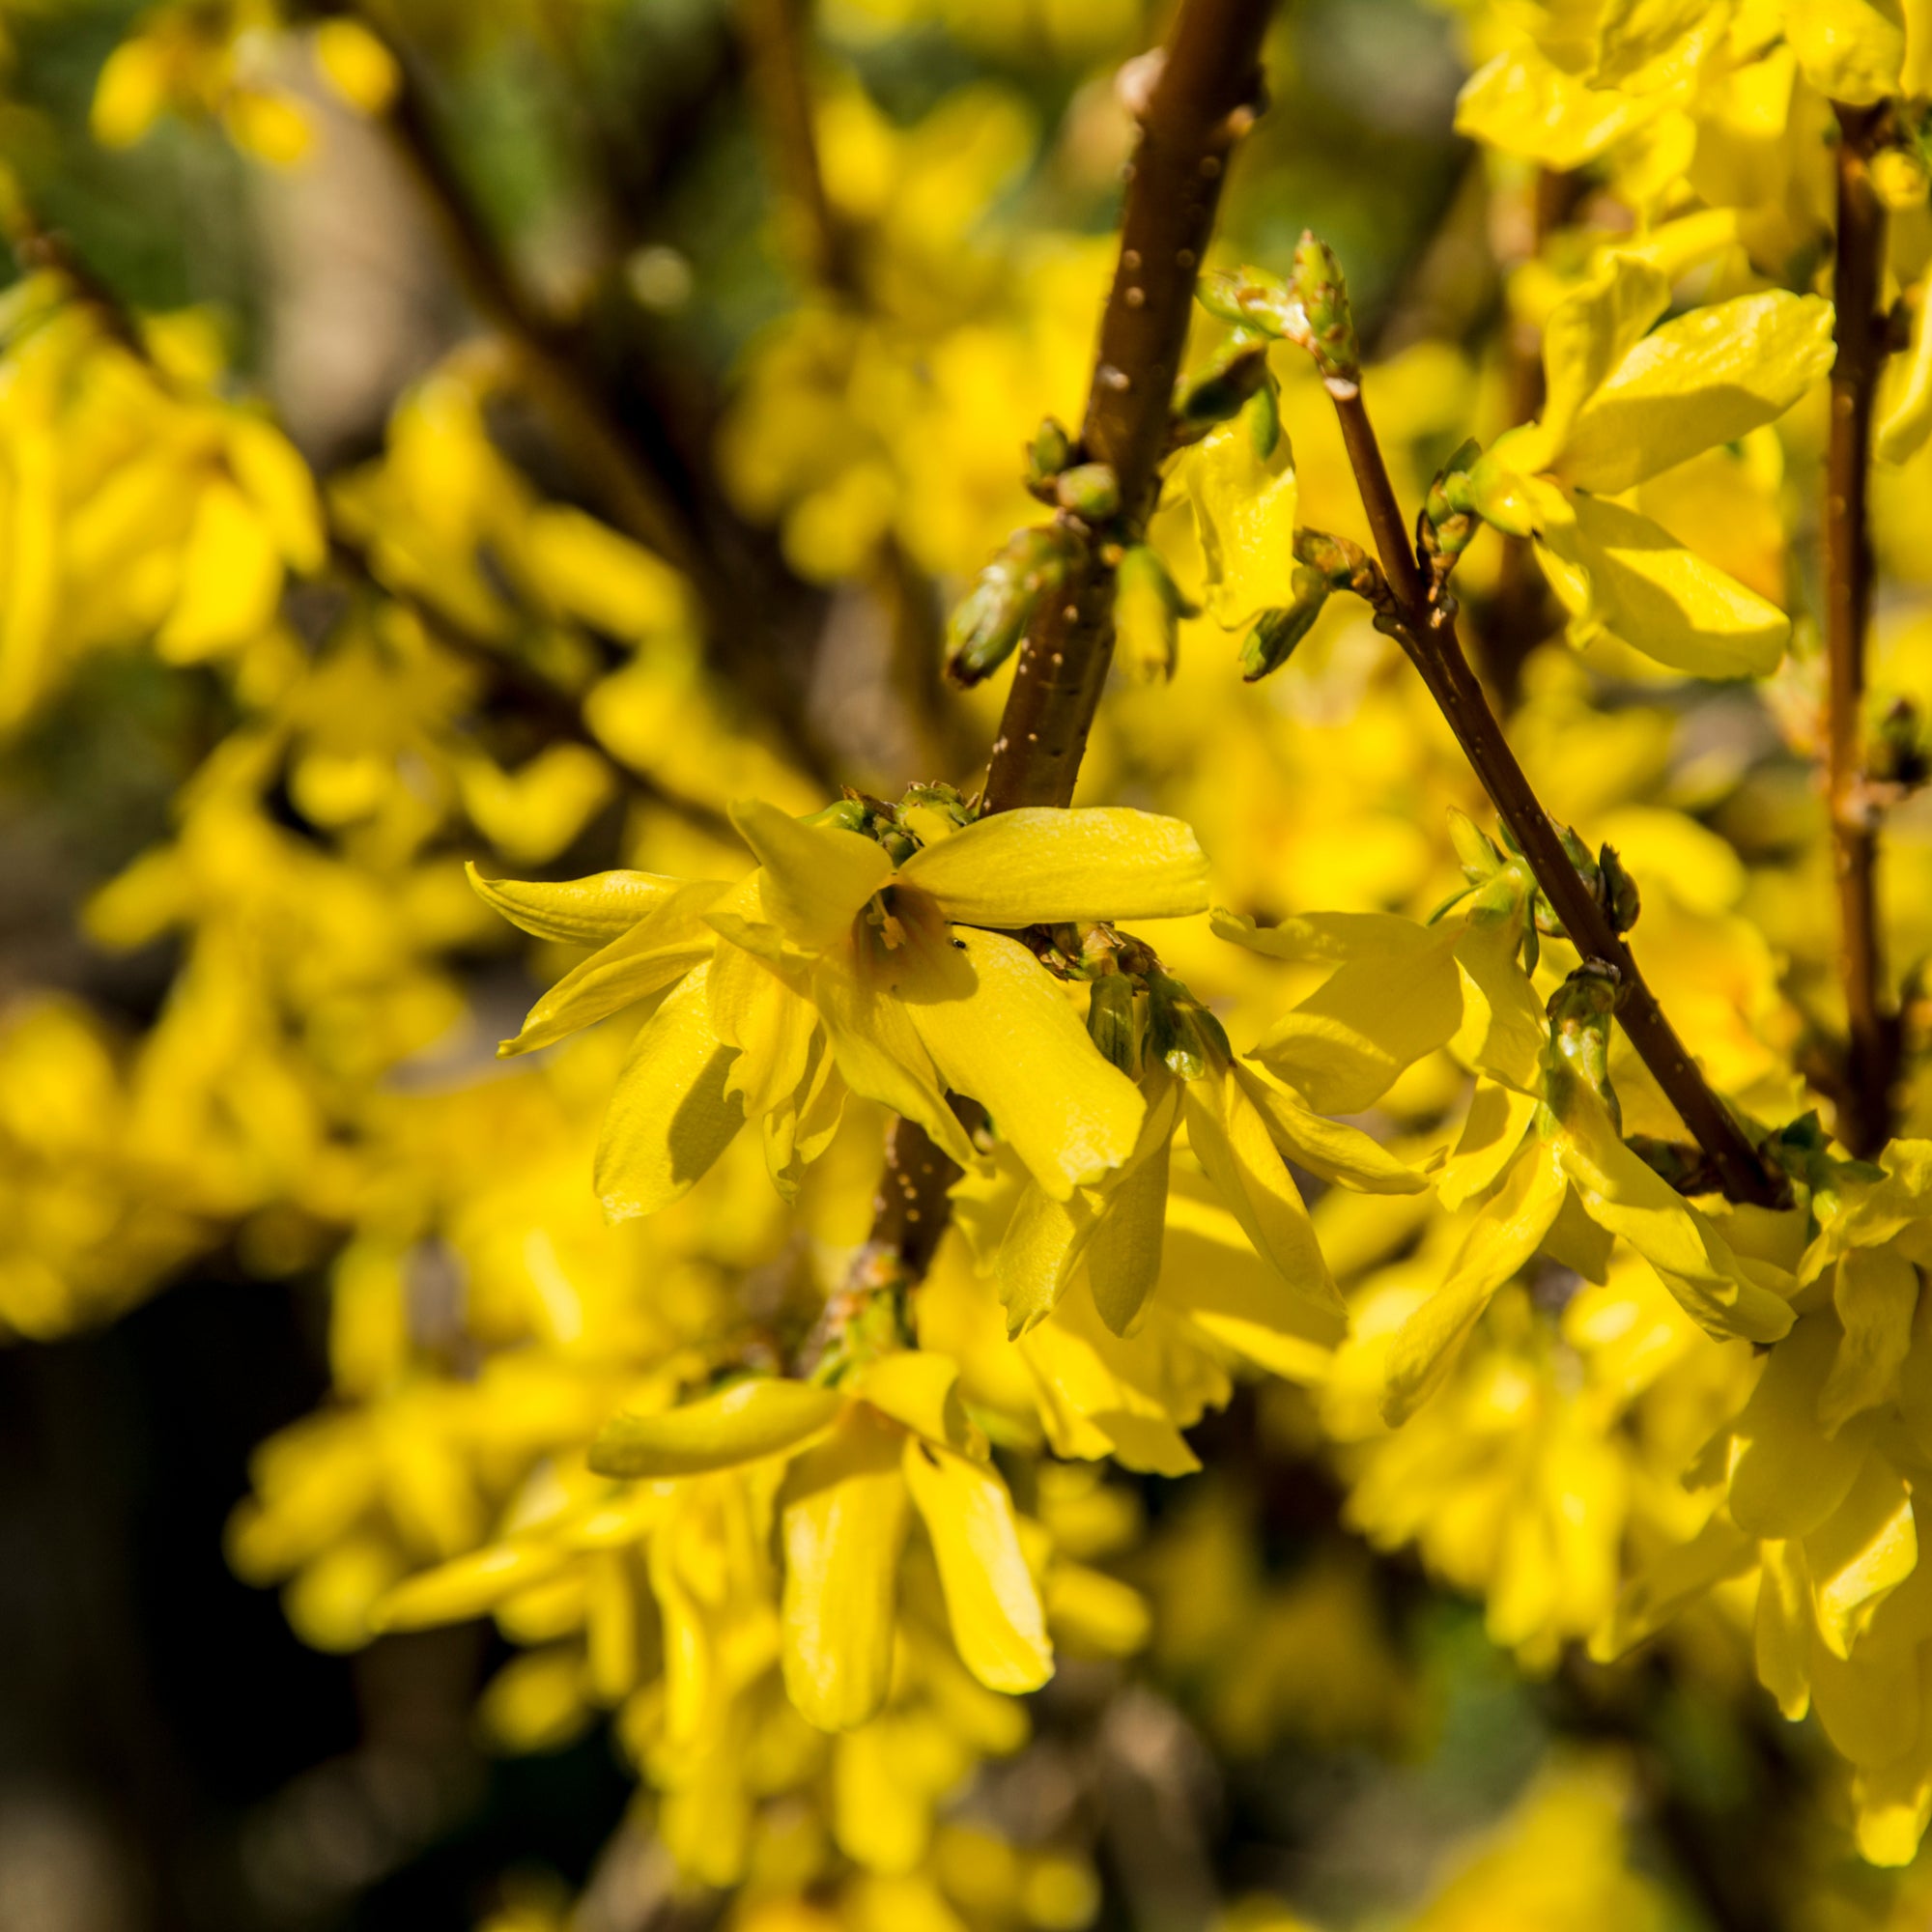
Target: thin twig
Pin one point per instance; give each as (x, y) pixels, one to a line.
(1427, 633)
(1871, 1057)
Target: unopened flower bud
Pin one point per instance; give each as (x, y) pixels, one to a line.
(1089, 490)
(1617, 891)
(995, 613)
(847, 814)
(1271, 640)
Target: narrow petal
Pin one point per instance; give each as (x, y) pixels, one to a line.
(1619, 1192)
(1376, 1016)
(1505, 1235)
(1861, 1552)
(991, 1599)
(920, 1390)
(656, 953)
(1787, 1474)
(1231, 1140)
(1876, 1293)
(1040, 865)
(1124, 1258)
(577, 912)
(1042, 1246)
(880, 1054)
(1337, 1152)
(741, 1424)
(843, 1511)
(1707, 377)
(815, 877)
(671, 1116)
(1016, 1045)
(1781, 1636)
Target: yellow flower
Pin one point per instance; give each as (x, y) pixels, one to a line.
(839, 960)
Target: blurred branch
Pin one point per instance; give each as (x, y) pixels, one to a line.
(775, 35)
(1872, 1047)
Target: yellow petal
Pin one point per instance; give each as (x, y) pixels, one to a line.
(1621, 573)
(815, 877)
(1782, 1633)
(577, 912)
(1709, 377)
(1043, 1244)
(880, 1054)
(1787, 1476)
(1504, 1236)
(1585, 337)
(1334, 1151)
(1619, 1192)
(1498, 1120)
(1043, 866)
(991, 1597)
(1244, 508)
(764, 1416)
(231, 580)
(1231, 1140)
(1876, 1293)
(1014, 1044)
(843, 1511)
(920, 1391)
(1850, 50)
(281, 486)
(670, 942)
(671, 1116)
(1124, 1258)
(1861, 1552)
(468, 1586)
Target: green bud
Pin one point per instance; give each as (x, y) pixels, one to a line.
(1580, 1040)
(1481, 856)
(1271, 641)
(1049, 452)
(1328, 324)
(1263, 419)
(1617, 890)
(993, 617)
(1089, 490)
(1148, 610)
(1249, 299)
(848, 814)
(1341, 563)
(1110, 1022)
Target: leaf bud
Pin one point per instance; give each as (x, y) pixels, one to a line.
(1188, 1039)
(1580, 1040)
(1898, 755)
(845, 815)
(1250, 299)
(1329, 325)
(1617, 891)
(1090, 491)
(1271, 640)
(994, 614)
(1049, 452)
(1342, 564)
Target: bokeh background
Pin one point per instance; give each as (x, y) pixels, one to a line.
(171, 1755)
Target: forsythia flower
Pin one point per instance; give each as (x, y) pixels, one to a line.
(885, 963)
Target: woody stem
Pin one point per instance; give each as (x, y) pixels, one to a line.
(1871, 1054)
(1427, 633)
(1203, 99)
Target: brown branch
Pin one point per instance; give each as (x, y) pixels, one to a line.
(1206, 93)
(1203, 99)
(1871, 1057)
(775, 35)
(1427, 633)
